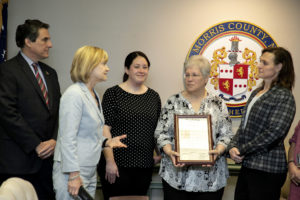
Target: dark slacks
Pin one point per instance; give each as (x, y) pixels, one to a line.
(41, 181)
(132, 181)
(171, 193)
(258, 185)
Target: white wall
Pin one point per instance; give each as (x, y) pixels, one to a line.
(163, 29)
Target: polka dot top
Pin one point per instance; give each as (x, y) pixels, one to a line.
(135, 115)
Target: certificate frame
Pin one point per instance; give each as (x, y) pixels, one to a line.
(193, 139)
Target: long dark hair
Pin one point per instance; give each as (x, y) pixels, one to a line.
(129, 59)
(286, 76)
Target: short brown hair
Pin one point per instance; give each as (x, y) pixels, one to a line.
(85, 60)
(30, 29)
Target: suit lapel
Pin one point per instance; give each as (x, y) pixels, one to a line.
(268, 94)
(29, 74)
(246, 107)
(92, 100)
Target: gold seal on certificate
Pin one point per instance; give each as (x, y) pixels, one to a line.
(193, 139)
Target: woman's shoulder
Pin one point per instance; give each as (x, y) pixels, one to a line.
(73, 93)
(214, 98)
(112, 90)
(173, 100)
(152, 91)
(281, 89)
(281, 92)
(211, 95)
(175, 97)
(73, 89)
(297, 129)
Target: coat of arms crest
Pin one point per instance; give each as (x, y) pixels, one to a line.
(234, 48)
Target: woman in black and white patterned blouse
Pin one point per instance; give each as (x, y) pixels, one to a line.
(194, 181)
(133, 109)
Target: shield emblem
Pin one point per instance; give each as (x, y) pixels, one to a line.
(233, 80)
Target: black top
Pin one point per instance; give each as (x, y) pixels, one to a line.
(135, 115)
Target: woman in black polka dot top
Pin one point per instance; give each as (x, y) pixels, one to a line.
(130, 108)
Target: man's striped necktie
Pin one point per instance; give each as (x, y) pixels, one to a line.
(41, 83)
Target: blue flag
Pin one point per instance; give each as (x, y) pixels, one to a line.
(3, 30)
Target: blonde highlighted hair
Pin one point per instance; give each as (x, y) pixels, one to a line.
(85, 60)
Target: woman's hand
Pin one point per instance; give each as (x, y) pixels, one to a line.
(74, 183)
(235, 155)
(294, 173)
(156, 159)
(216, 153)
(172, 154)
(115, 142)
(111, 171)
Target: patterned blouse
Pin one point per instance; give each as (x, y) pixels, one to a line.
(194, 178)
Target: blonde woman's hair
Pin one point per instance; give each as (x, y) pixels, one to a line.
(85, 60)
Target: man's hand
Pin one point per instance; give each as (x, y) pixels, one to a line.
(46, 149)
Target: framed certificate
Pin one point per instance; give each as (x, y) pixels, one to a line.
(193, 139)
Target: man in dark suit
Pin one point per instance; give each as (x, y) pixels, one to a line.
(29, 103)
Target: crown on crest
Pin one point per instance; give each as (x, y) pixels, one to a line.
(235, 39)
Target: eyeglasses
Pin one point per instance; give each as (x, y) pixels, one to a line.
(191, 75)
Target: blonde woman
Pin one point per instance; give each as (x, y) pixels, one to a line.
(80, 139)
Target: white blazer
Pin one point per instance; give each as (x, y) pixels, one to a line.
(80, 134)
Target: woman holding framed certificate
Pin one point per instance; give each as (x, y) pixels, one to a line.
(259, 141)
(199, 180)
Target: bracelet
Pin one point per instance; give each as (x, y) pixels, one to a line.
(290, 161)
(104, 142)
(73, 177)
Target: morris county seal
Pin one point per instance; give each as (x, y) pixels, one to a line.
(234, 49)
